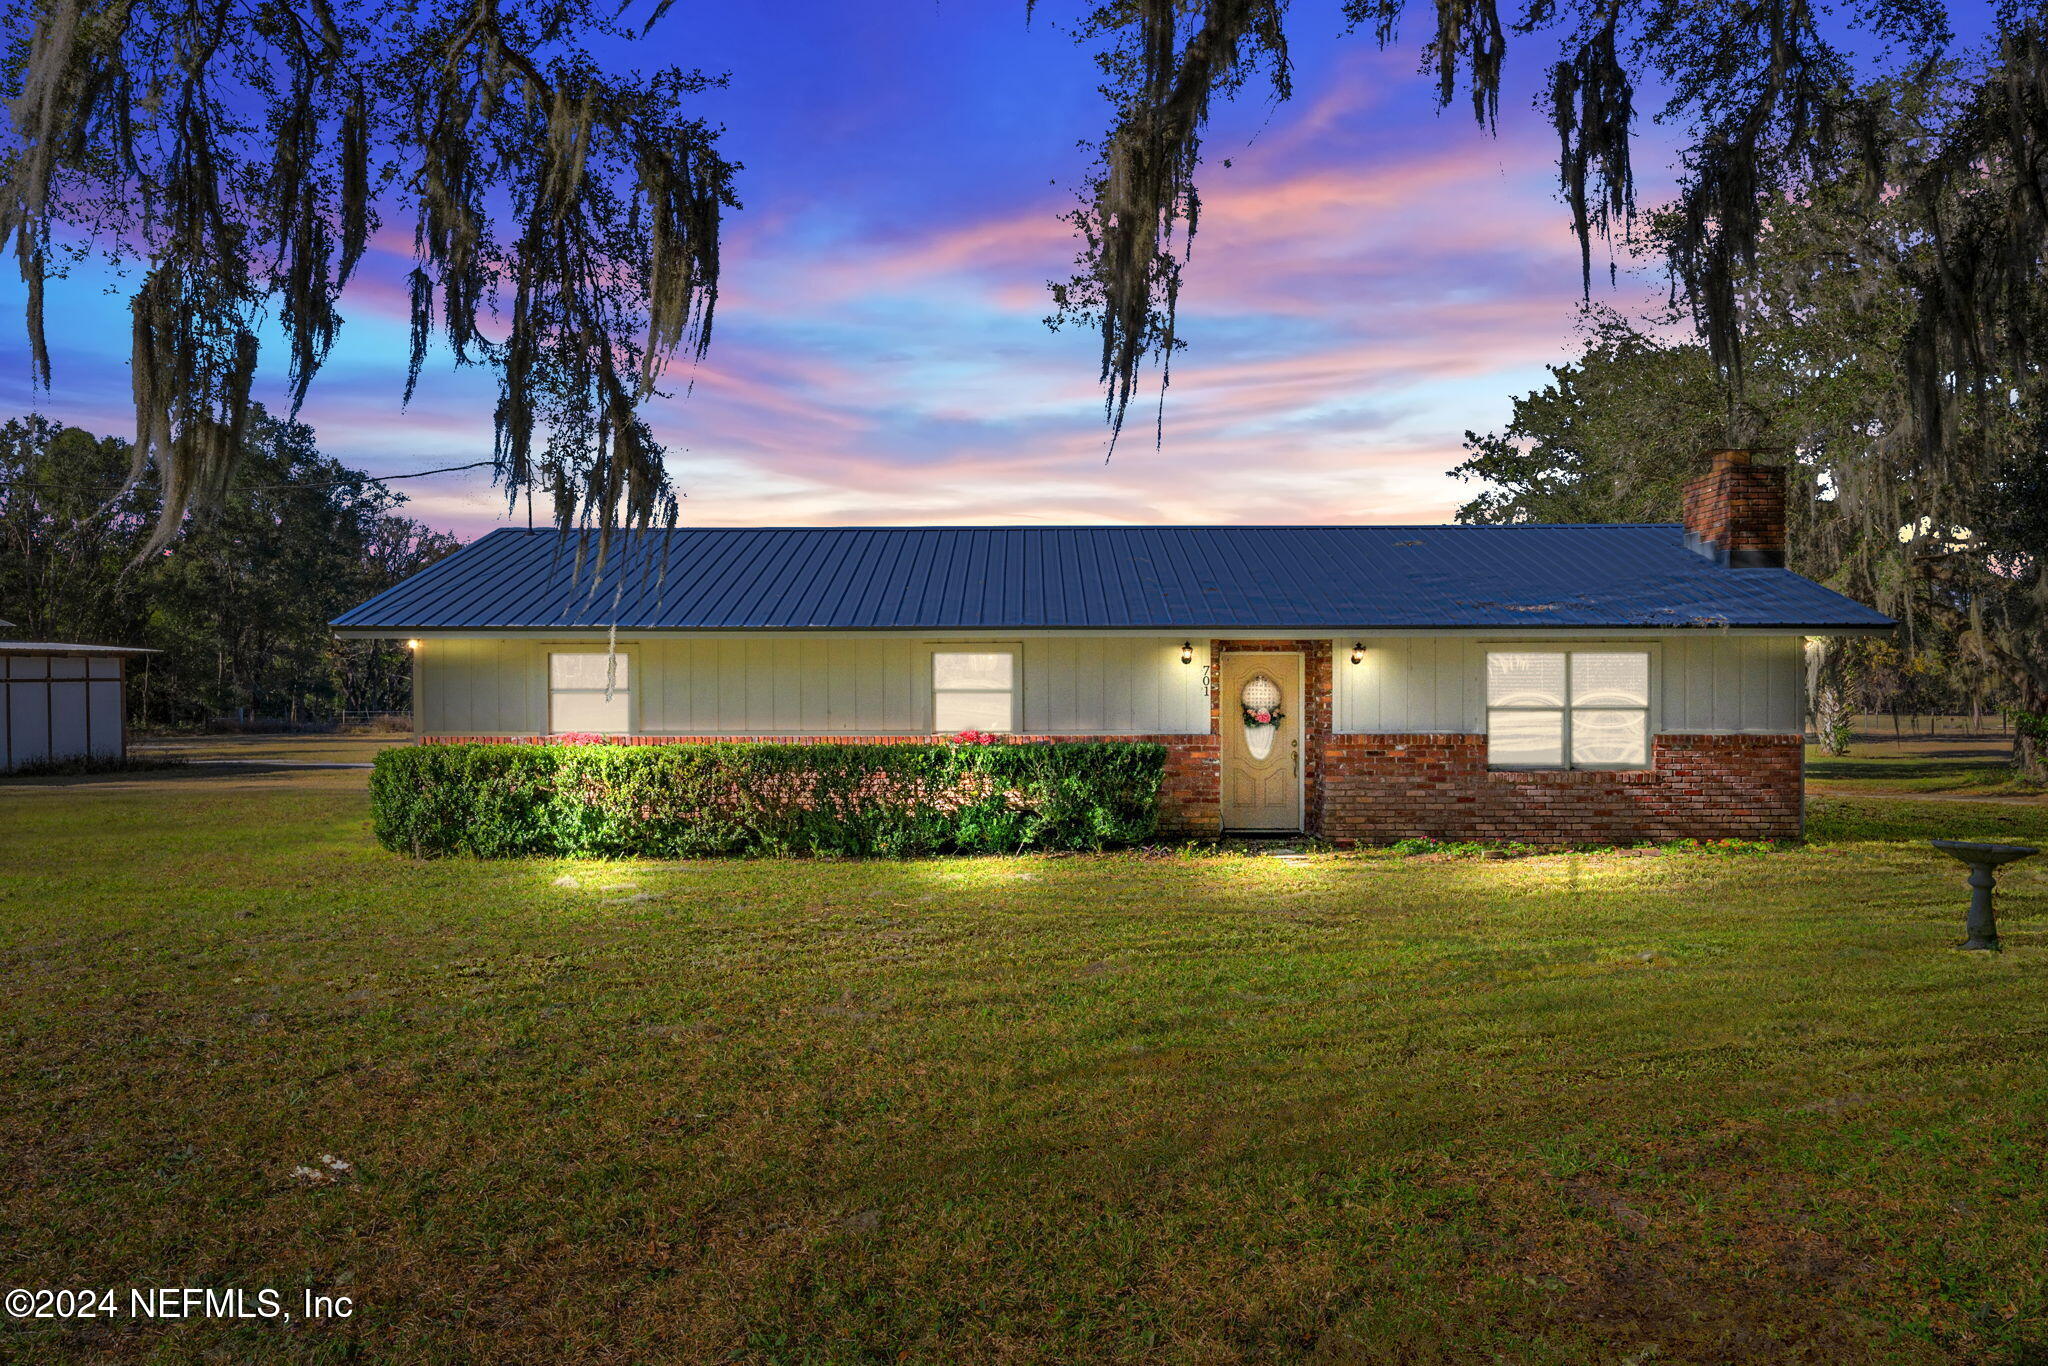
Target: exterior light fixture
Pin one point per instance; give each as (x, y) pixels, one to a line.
(1187, 652)
(1358, 652)
(412, 645)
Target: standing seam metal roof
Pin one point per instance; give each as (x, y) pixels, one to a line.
(1092, 578)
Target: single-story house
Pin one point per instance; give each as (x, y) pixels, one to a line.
(1555, 684)
(61, 701)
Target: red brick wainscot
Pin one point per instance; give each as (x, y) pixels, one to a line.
(1381, 788)
(1188, 794)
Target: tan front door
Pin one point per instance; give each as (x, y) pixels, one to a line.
(1261, 773)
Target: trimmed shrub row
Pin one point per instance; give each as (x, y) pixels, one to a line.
(696, 800)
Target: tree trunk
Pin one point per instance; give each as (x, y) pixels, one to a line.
(2030, 733)
(1828, 698)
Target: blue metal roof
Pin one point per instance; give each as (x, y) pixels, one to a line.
(1193, 578)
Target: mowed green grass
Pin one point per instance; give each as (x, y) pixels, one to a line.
(1961, 765)
(288, 748)
(1609, 1108)
(1988, 776)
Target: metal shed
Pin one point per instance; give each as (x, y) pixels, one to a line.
(62, 701)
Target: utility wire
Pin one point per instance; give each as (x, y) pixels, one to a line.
(262, 488)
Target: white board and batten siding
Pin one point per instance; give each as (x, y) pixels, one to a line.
(814, 685)
(1108, 686)
(1708, 683)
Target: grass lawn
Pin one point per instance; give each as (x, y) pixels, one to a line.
(290, 748)
(1972, 766)
(1612, 1108)
(1973, 776)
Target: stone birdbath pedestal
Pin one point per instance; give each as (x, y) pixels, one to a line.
(1982, 924)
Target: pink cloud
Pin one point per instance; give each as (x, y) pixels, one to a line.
(1353, 306)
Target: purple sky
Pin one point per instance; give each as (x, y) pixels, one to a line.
(1371, 279)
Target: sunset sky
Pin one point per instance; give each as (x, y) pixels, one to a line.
(1371, 279)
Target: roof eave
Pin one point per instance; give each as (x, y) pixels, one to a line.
(394, 632)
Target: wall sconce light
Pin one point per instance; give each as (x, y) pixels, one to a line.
(1187, 652)
(412, 645)
(1358, 652)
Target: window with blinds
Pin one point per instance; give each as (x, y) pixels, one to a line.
(587, 694)
(974, 690)
(1568, 709)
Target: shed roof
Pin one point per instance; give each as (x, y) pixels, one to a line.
(1338, 578)
(55, 647)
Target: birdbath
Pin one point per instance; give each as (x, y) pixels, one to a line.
(1982, 858)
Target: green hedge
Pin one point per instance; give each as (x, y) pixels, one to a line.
(694, 800)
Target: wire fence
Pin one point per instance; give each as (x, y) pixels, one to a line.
(1888, 728)
(375, 721)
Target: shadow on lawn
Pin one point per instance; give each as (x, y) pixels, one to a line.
(1977, 768)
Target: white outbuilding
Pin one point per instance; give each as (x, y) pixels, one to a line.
(62, 701)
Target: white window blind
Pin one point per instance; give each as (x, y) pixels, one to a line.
(1568, 709)
(577, 699)
(974, 690)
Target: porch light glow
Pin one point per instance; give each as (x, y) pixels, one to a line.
(412, 645)
(1187, 652)
(1358, 652)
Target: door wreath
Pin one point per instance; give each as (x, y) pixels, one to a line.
(1259, 701)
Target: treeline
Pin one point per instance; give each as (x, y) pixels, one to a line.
(1617, 433)
(1944, 527)
(238, 607)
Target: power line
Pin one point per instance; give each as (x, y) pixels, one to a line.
(262, 488)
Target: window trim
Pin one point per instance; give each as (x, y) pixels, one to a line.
(1649, 709)
(1013, 648)
(632, 689)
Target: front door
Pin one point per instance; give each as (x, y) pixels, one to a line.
(1261, 760)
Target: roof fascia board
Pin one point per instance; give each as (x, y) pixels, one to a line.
(1144, 632)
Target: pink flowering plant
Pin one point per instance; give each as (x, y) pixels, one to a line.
(977, 737)
(579, 737)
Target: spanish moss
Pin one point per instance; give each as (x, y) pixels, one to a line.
(1759, 84)
(564, 218)
(1164, 63)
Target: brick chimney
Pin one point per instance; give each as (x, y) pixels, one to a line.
(1735, 513)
